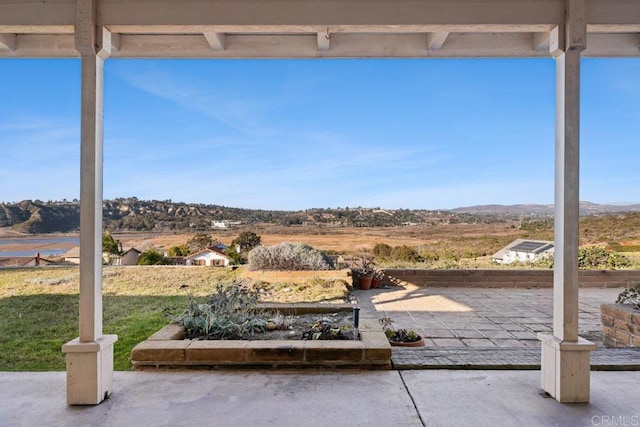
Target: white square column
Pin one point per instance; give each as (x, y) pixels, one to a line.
(565, 356)
(90, 356)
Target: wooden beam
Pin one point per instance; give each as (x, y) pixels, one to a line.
(556, 41)
(436, 40)
(576, 26)
(115, 42)
(85, 32)
(324, 41)
(8, 42)
(332, 12)
(541, 41)
(216, 40)
(30, 16)
(613, 45)
(458, 45)
(341, 46)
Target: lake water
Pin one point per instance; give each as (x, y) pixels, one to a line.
(45, 246)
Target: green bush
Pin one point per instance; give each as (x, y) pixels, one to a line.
(405, 253)
(382, 251)
(599, 257)
(151, 257)
(592, 257)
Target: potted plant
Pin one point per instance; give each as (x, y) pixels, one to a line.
(377, 278)
(364, 271)
(400, 337)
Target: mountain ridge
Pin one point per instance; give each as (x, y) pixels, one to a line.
(586, 208)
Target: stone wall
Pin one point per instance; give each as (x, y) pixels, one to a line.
(508, 278)
(620, 325)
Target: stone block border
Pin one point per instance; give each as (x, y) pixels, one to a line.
(620, 325)
(167, 350)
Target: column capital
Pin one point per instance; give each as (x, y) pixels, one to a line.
(571, 35)
(91, 38)
(575, 25)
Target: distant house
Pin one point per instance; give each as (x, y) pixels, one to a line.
(213, 256)
(24, 261)
(225, 224)
(129, 257)
(522, 250)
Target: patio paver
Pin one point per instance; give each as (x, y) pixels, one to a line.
(488, 327)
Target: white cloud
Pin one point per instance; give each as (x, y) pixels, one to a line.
(238, 110)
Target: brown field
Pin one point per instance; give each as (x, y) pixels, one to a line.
(458, 241)
(343, 240)
(479, 238)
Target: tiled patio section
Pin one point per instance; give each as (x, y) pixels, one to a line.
(481, 318)
(467, 328)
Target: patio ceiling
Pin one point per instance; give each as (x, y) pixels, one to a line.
(316, 28)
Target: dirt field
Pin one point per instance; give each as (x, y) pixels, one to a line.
(479, 240)
(339, 239)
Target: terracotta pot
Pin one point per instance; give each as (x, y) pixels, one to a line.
(375, 283)
(365, 282)
(419, 343)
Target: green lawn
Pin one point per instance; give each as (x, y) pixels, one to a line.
(39, 308)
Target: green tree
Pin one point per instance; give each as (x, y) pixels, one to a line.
(110, 245)
(151, 257)
(235, 257)
(247, 240)
(201, 241)
(181, 250)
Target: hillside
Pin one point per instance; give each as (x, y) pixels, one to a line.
(38, 217)
(131, 214)
(586, 208)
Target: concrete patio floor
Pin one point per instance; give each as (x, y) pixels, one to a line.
(259, 398)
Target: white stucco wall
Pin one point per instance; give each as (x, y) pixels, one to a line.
(210, 259)
(517, 256)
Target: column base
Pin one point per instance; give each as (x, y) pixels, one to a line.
(89, 370)
(566, 368)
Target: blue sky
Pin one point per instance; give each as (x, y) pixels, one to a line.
(296, 134)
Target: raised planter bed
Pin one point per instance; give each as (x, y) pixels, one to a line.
(166, 349)
(620, 325)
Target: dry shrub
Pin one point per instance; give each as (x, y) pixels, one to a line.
(286, 257)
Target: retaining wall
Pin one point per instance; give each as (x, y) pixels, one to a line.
(620, 325)
(508, 278)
